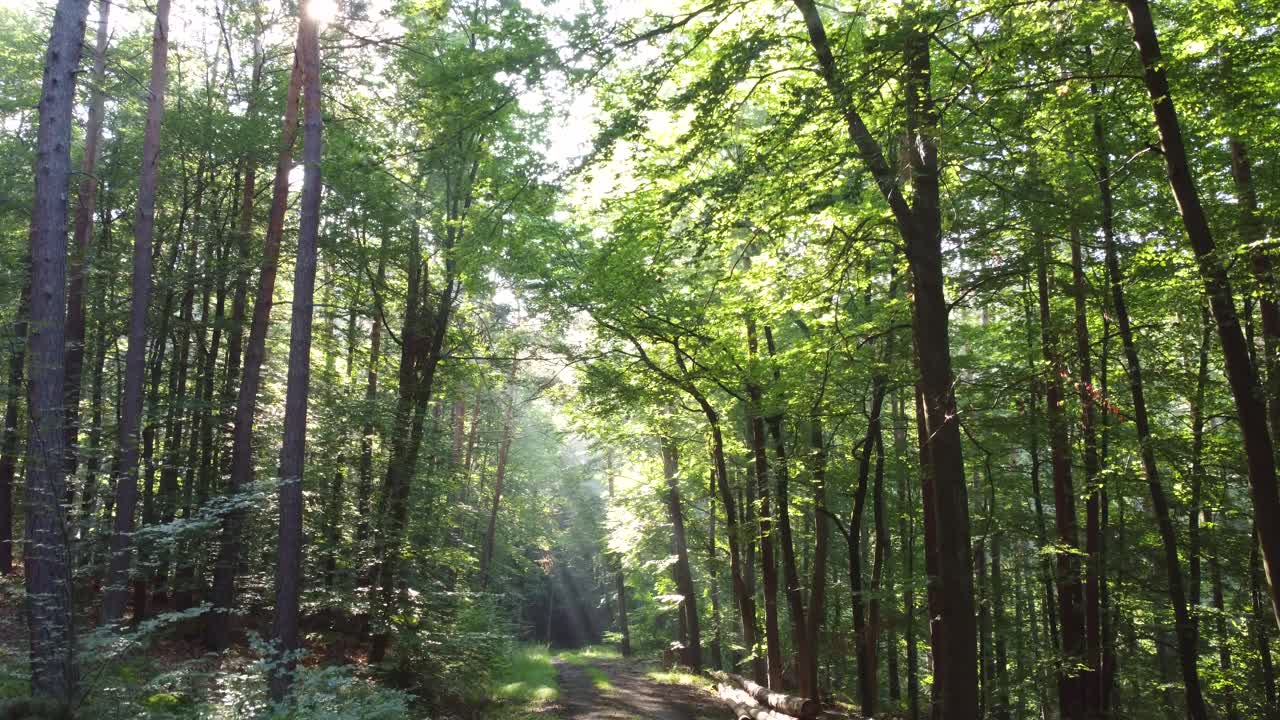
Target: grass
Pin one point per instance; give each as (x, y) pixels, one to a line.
(584, 656)
(528, 679)
(678, 677)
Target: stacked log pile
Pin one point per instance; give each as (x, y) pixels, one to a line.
(751, 701)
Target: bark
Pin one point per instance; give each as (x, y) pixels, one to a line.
(405, 435)
(920, 225)
(1071, 692)
(1197, 466)
(500, 473)
(86, 200)
(1240, 370)
(713, 564)
(744, 706)
(790, 572)
(116, 596)
(772, 632)
(1252, 234)
(47, 561)
(1093, 678)
(797, 707)
(879, 560)
(364, 489)
(459, 420)
(1185, 630)
(620, 580)
(421, 353)
(88, 532)
(692, 654)
(1033, 450)
(906, 533)
(10, 444)
(1258, 623)
(1230, 711)
(293, 449)
(218, 627)
(175, 428)
(818, 585)
(863, 632)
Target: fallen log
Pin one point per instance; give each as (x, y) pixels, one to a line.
(745, 707)
(803, 708)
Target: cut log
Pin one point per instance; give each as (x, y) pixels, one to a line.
(744, 706)
(804, 708)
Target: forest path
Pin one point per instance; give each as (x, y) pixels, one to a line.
(603, 689)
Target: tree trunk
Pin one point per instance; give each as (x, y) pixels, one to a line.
(684, 577)
(364, 489)
(790, 572)
(769, 566)
(117, 596)
(1071, 694)
(1185, 630)
(1241, 374)
(864, 635)
(83, 238)
(1258, 623)
(11, 442)
(1252, 233)
(713, 564)
(822, 534)
(218, 627)
(1092, 678)
(500, 474)
(293, 449)
(620, 580)
(47, 561)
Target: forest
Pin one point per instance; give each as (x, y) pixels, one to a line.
(601, 359)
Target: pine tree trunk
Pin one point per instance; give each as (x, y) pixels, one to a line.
(83, 238)
(293, 449)
(47, 557)
(117, 592)
(11, 442)
(218, 627)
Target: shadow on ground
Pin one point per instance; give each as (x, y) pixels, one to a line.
(629, 695)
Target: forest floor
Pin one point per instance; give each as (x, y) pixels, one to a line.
(612, 689)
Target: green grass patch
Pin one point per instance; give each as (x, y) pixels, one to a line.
(528, 678)
(678, 677)
(599, 678)
(585, 656)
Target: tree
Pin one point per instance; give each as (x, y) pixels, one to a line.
(47, 556)
(116, 595)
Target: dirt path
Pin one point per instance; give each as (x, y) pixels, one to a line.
(629, 695)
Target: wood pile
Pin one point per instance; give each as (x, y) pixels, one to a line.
(751, 701)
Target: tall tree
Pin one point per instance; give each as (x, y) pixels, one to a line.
(47, 556)
(86, 201)
(218, 629)
(292, 452)
(116, 596)
(1242, 375)
(920, 225)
